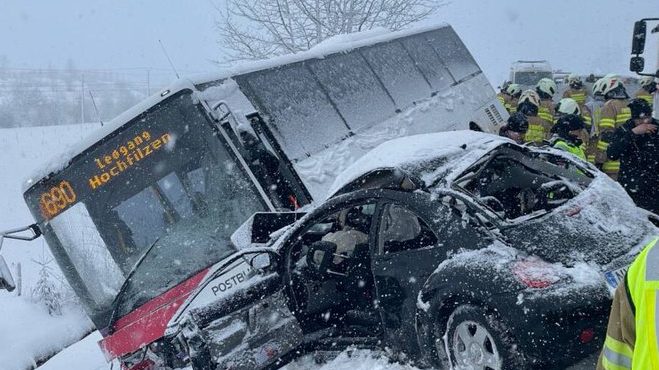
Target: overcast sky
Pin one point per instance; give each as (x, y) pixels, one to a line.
(584, 36)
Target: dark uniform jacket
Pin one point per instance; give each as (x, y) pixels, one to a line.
(639, 164)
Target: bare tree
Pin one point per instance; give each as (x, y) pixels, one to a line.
(258, 29)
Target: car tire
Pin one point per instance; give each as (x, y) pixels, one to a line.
(477, 339)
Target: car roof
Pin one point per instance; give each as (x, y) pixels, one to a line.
(431, 158)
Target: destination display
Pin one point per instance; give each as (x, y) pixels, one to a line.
(142, 151)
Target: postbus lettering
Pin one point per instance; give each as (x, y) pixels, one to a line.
(230, 283)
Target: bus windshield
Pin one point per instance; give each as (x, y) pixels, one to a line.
(166, 180)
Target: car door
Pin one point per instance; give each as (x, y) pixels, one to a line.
(337, 291)
(414, 236)
(407, 251)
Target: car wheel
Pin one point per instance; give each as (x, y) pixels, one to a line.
(476, 339)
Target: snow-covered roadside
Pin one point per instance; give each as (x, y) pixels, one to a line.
(82, 355)
(86, 355)
(27, 331)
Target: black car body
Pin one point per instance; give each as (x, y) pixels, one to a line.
(455, 247)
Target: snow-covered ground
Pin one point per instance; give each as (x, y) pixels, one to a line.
(85, 355)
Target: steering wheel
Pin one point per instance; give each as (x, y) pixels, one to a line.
(323, 250)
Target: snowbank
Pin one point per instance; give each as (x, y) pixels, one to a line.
(28, 333)
(82, 355)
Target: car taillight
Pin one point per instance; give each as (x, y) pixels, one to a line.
(586, 335)
(536, 273)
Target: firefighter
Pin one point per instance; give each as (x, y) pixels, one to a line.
(567, 135)
(516, 127)
(631, 335)
(503, 96)
(594, 105)
(575, 89)
(546, 88)
(529, 104)
(636, 145)
(514, 91)
(570, 106)
(647, 90)
(615, 112)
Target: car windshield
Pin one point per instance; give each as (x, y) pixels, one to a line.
(165, 178)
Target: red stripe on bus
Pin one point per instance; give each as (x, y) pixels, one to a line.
(148, 322)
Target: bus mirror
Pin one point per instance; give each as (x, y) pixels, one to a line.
(638, 41)
(637, 64)
(6, 280)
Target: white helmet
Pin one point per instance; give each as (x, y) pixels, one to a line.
(531, 96)
(547, 86)
(514, 89)
(646, 81)
(568, 106)
(573, 77)
(608, 84)
(596, 87)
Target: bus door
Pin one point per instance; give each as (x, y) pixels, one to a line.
(270, 166)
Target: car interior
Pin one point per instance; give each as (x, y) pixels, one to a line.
(331, 274)
(514, 184)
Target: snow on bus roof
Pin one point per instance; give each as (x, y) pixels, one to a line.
(407, 151)
(332, 45)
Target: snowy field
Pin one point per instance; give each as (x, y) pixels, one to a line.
(27, 331)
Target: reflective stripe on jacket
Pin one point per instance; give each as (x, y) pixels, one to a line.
(508, 102)
(631, 337)
(546, 110)
(538, 130)
(643, 94)
(579, 95)
(570, 148)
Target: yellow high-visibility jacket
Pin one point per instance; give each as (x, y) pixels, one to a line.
(539, 130)
(614, 113)
(579, 95)
(546, 110)
(645, 95)
(631, 335)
